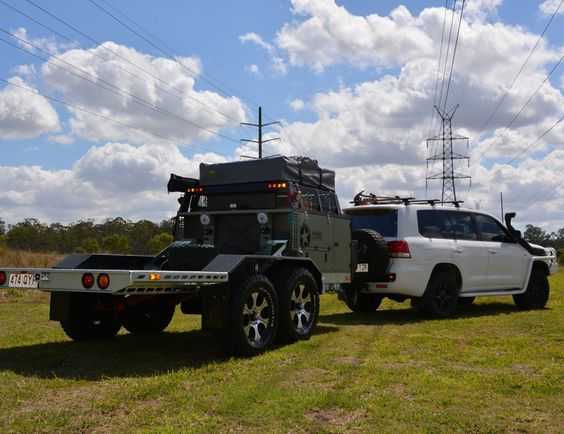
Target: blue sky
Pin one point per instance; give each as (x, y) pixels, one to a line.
(349, 84)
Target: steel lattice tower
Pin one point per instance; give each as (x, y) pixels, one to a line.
(447, 156)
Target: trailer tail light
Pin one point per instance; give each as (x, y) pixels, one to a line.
(103, 281)
(88, 280)
(2, 277)
(277, 185)
(399, 249)
(195, 190)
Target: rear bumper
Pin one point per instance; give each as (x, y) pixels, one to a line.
(122, 282)
(410, 279)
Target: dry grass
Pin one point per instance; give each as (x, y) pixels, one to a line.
(20, 258)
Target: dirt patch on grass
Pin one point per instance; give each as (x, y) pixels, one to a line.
(335, 417)
(310, 377)
(23, 296)
(348, 360)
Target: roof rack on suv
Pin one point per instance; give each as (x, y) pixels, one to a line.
(363, 198)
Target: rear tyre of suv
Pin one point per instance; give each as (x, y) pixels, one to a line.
(360, 302)
(537, 293)
(441, 296)
(298, 296)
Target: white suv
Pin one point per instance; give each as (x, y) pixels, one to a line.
(441, 257)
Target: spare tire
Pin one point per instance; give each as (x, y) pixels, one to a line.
(371, 249)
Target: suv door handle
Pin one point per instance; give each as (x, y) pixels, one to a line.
(459, 250)
(493, 252)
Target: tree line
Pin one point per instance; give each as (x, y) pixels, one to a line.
(116, 235)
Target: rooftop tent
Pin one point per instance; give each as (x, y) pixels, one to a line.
(302, 170)
(180, 184)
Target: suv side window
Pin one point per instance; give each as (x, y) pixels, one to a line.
(463, 226)
(435, 224)
(491, 230)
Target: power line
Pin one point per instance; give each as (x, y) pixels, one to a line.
(447, 54)
(160, 49)
(454, 53)
(521, 69)
(115, 53)
(533, 143)
(167, 50)
(107, 85)
(537, 90)
(82, 109)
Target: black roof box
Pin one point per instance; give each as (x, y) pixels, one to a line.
(302, 170)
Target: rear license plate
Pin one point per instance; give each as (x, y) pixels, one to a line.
(23, 280)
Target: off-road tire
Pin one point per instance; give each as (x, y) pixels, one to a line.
(360, 302)
(441, 296)
(249, 314)
(466, 301)
(298, 297)
(537, 293)
(86, 324)
(148, 318)
(372, 249)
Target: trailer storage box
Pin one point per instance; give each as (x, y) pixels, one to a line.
(304, 171)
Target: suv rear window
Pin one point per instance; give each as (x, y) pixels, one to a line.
(384, 221)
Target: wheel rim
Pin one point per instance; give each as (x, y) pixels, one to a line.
(445, 296)
(257, 318)
(302, 308)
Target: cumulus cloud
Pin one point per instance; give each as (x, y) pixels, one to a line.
(297, 105)
(278, 64)
(109, 180)
(253, 69)
(25, 114)
(168, 107)
(549, 6)
(50, 45)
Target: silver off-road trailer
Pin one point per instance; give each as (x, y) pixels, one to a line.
(255, 243)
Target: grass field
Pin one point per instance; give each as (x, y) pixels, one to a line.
(491, 369)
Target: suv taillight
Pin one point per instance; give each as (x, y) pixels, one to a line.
(399, 249)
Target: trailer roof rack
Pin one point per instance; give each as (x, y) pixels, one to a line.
(363, 198)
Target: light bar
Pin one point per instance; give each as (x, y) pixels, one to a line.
(195, 190)
(277, 185)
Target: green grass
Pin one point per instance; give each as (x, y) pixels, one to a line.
(491, 369)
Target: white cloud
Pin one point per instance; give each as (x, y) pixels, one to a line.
(25, 114)
(549, 6)
(109, 180)
(297, 105)
(63, 139)
(253, 69)
(50, 45)
(278, 64)
(181, 108)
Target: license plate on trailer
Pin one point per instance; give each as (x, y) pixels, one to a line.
(23, 280)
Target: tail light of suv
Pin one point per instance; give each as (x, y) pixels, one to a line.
(399, 249)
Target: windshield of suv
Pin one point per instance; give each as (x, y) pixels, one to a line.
(383, 221)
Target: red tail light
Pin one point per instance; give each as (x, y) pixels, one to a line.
(2, 277)
(399, 249)
(88, 280)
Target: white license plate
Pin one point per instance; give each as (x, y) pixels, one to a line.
(362, 268)
(23, 280)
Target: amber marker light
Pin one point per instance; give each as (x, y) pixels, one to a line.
(103, 281)
(154, 276)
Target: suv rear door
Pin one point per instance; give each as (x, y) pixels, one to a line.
(454, 232)
(507, 260)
